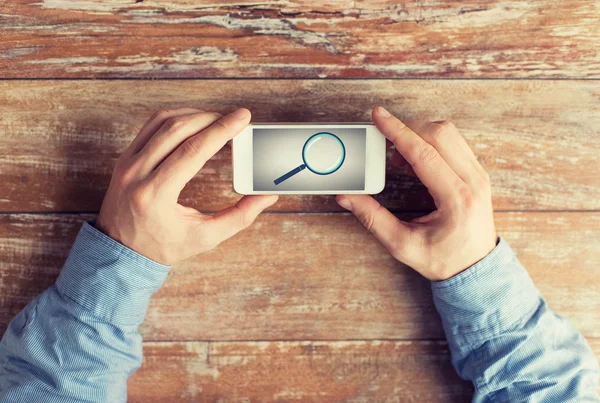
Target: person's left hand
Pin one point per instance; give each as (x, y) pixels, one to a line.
(140, 209)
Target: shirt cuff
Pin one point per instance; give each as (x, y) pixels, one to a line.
(107, 278)
(492, 296)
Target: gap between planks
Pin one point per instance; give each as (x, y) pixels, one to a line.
(117, 78)
(321, 340)
(301, 212)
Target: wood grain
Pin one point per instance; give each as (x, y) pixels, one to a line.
(364, 371)
(310, 276)
(540, 140)
(339, 319)
(300, 39)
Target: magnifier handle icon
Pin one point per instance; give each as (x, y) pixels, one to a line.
(289, 174)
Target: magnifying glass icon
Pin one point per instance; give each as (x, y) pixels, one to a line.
(323, 154)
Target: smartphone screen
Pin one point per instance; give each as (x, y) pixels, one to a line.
(308, 159)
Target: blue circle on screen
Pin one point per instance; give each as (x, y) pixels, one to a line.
(338, 163)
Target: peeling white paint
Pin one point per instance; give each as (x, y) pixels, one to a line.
(68, 60)
(199, 366)
(498, 14)
(402, 68)
(17, 52)
(68, 29)
(49, 204)
(294, 394)
(197, 54)
(571, 160)
(137, 68)
(191, 390)
(104, 7)
(259, 26)
(569, 30)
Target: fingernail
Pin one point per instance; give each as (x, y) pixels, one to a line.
(241, 114)
(383, 112)
(344, 202)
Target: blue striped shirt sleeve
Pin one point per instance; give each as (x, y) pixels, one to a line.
(78, 341)
(505, 339)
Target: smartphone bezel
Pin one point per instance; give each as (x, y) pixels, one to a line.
(374, 163)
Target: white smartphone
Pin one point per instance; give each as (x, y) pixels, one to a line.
(309, 158)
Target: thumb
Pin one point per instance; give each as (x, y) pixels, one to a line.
(386, 227)
(228, 222)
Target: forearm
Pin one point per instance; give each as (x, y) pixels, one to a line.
(505, 339)
(78, 341)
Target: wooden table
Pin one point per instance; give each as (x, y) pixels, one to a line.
(305, 305)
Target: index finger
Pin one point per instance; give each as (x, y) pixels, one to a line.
(185, 162)
(157, 119)
(441, 181)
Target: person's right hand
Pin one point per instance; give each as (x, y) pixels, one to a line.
(461, 231)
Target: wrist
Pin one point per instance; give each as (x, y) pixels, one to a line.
(471, 259)
(130, 242)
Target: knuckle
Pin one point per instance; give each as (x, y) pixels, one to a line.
(426, 154)
(126, 175)
(212, 117)
(368, 221)
(368, 218)
(443, 131)
(221, 123)
(141, 198)
(190, 148)
(465, 196)
(246, 217)
(175, 123)
(448, 125)
(161, 114)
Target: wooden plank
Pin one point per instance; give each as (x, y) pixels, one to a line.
(357, 371)
(361, 371)
(540, 140)
(310, 276)
(300, 39)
